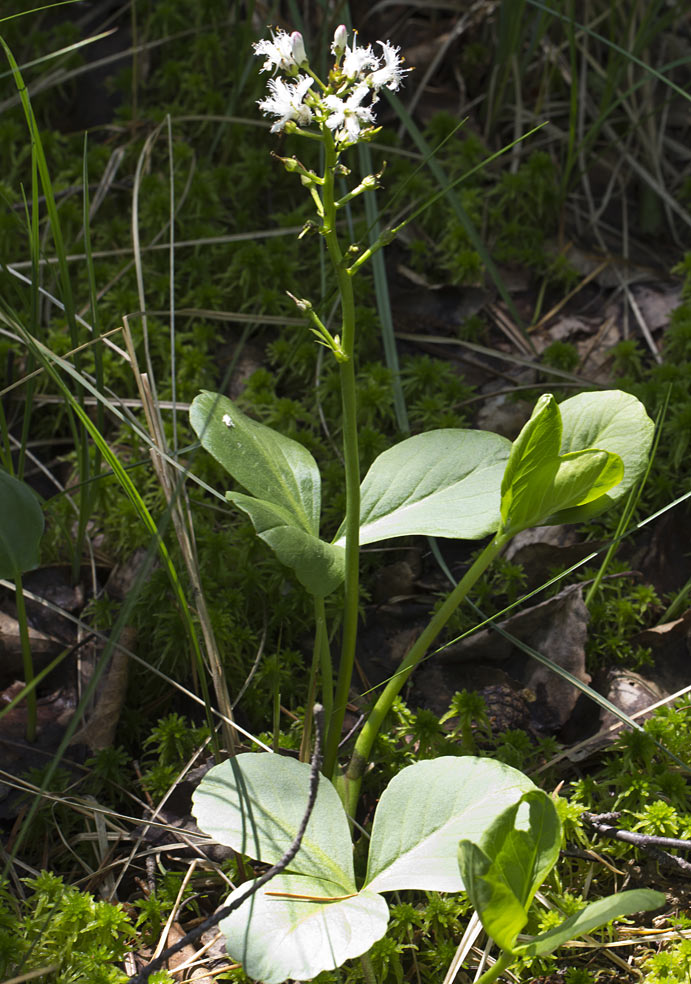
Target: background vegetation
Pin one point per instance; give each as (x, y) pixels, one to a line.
(147, 241)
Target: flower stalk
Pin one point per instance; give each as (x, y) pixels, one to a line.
(351, 459)
(343, 110)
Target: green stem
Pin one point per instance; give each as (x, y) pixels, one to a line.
(363, 746)
(321, 668)
(31, 704)
(324, 655)
(368, 969)
(504, 960)
(350, 455)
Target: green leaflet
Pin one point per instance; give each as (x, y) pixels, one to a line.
(442, 483)
(319, 566)
(415, 834)
(596, 914)
(21, 527)
(573, 460)
(279, 938)
(285, 484)
(255, 802)
(270, 466)
(504, 868)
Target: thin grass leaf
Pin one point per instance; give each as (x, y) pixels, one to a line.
(49, 361)
(381, 289)
(553, 12)
(42, 59)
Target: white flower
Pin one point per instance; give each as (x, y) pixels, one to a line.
(391, 75)
(286, 102)
(348, 115)
(340, 40)
(279, 53)
(357, 60)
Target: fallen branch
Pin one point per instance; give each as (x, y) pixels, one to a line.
(656, 847)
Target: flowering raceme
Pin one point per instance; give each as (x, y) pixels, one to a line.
(344, 105)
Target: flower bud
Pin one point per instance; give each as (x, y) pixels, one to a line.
(291, 164)
(301, 302)
(298, 44)
(340, 40)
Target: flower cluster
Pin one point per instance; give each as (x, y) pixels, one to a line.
(287, 102)
(345, 105)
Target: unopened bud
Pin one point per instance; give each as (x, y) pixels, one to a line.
(291, 164)
(300, 302)
(299, 54)
(340, 40)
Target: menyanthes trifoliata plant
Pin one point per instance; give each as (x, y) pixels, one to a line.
(570, 462)
(480, 826)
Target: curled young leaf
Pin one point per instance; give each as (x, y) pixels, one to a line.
(573, 460)
(505, 866)
(616, 422)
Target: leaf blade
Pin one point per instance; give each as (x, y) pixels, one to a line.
(21, 526)
(318, 566)
(596, 914)
(440, 483)
(276, 939)
(269, 465)
(255, 803)
(415, 838)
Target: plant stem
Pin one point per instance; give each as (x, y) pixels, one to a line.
(31, 704)
(350, 455)
(368, 969)
(504, 960)
(363, 745)
(324, 654)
